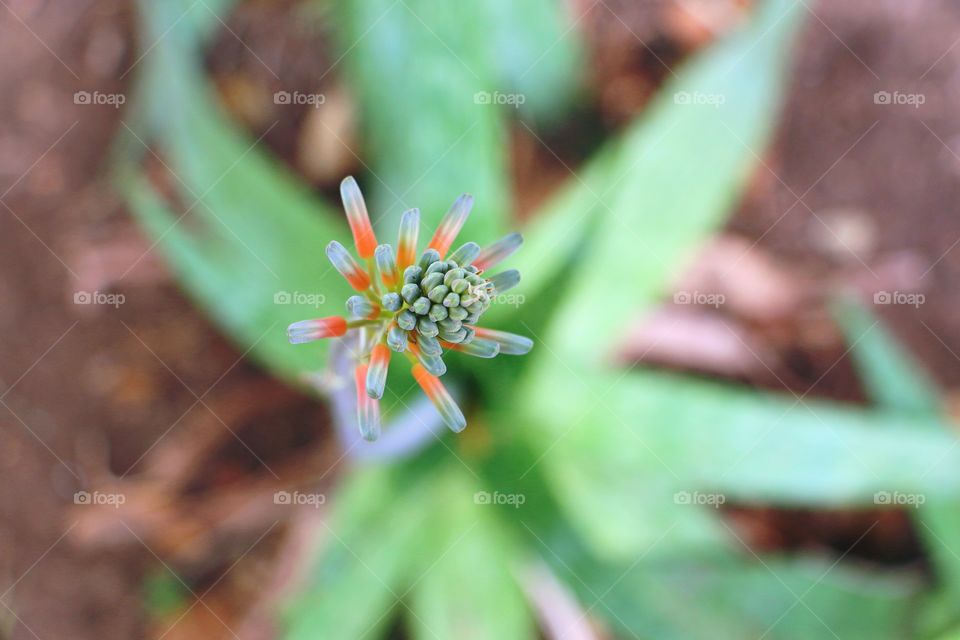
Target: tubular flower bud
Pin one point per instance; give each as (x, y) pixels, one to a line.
(407, 242)
(440, 398)
(387, 265)
(428, 304)
(368, 409)
(347, 266)
(310, 330)
(451, 224)
(357, 218)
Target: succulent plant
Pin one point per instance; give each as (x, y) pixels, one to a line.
(417, 305)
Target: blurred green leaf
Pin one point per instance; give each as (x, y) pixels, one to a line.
(669, 183)
(896, 382)
(250, 250)
(416, 67)
(892, 379)
(468, 590)
(536, 53)
(618, 447)
(374, 540)
(777, 599)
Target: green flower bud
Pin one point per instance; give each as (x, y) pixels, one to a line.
(438, 293)
(438, 312)
(459, 313)
(397, 339)
(437, 267)
(391, 302)
(459, 286)
(429, 345)
(427, 258)
(427, 327)
(410, 292)
(451, 300)
(456, 337)
(453, 274)
(430, 282)
(449, 325)
(406, 320)
(413, 273)
(465, 254)
(421, 307)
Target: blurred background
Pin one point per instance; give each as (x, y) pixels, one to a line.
(739, 271)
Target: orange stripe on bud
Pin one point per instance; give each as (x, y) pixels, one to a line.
(407, 242)
(316, 329)
(451, 224)
(344, 263)
(357, 218)
(440, 398)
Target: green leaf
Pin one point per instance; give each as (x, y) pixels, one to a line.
(892, 379)
(777, 599)
(667, 185)
(415, 67)
(468, 590)
(536, 54)
(374, 540)
(618, 448)
(250, 250)
(896, 382)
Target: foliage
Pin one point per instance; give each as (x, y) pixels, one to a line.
(570, 462)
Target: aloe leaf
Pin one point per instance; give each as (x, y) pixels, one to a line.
(468, 590)
(373, 541)
(776, 598)
(618, 447)
(897, 383)
(536, 52)
(250, 250)
(416, 68)
(893, 380)
(638, 213)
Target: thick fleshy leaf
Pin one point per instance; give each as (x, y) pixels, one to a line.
(620, 447)
(735, 598)
(897, 383)
(469, 590)
(643, 203)
(373, 541)
(254, 274)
